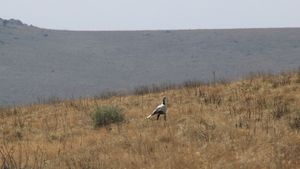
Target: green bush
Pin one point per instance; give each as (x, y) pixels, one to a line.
(106, 115)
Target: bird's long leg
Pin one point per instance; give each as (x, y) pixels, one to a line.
(165, 117)
(158, 116)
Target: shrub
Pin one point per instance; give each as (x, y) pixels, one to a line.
(106, 115)
(5, 22)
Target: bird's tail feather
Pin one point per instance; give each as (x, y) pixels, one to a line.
(149, 116)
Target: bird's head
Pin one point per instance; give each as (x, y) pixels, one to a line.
(164, 100)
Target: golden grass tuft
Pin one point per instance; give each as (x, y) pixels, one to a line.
(252, 123)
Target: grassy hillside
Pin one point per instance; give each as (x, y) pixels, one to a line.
(37, 63)
(252, 123)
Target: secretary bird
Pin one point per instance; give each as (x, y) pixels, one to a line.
(161, 109)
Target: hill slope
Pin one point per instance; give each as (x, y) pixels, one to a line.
(253, 123)
(37, 62)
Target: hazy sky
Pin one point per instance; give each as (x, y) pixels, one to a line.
(152, 14)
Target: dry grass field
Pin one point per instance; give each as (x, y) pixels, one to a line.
(251, 123)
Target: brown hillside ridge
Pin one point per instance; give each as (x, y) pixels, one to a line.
(251, 123)
(39, 63)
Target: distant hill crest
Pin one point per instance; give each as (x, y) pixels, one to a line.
(12, 21)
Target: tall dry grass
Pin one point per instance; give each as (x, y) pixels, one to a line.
(252, 123)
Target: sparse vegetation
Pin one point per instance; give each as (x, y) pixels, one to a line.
(251, 123)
